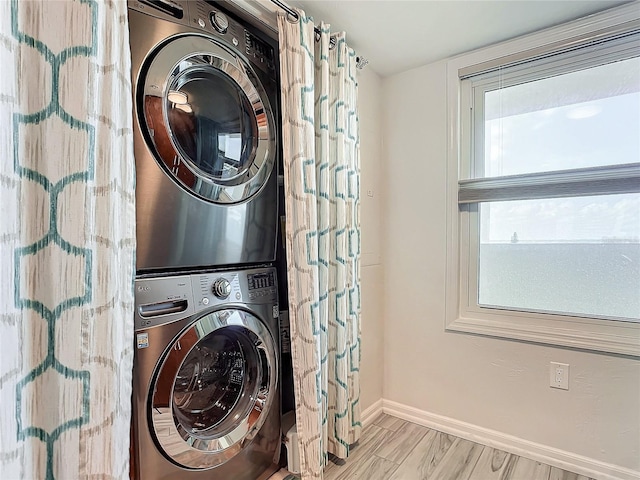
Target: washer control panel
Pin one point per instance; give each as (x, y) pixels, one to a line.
(211, 289)
(162, 300)
(221, 288)
(262, 285)
(257, 285)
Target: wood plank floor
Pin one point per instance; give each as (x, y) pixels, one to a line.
(393, 449)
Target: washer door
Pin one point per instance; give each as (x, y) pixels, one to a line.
(205, 115)
(213, 389)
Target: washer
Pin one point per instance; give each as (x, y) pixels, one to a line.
(206, 139)
(206, 396)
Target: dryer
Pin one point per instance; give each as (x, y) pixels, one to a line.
(206, 139)
(206, 396)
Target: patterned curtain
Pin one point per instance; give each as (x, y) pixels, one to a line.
(322, 184)
(67, 240)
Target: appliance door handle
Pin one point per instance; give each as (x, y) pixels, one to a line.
(162, 308)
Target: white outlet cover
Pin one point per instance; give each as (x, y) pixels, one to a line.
(559, 375)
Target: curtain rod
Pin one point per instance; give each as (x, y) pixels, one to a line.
(361, 62)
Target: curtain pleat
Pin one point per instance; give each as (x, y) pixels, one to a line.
(321, 167)
(67, 240)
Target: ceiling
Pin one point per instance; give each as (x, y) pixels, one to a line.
(398, 35)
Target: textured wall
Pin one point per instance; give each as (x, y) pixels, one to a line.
(371, 274)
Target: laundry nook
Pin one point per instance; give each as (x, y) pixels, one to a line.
(320, 240)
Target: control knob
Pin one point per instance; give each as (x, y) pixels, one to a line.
(221, 288)
(219, 22)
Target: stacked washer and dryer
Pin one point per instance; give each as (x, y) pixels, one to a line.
(206, 392)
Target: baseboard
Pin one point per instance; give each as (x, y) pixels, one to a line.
(534, 451)
(369, 414)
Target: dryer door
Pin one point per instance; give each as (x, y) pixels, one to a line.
(213, 389)
(206, 117)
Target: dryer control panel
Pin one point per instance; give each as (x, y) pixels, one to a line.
(259, 52)
(209, 17)
(176, 11)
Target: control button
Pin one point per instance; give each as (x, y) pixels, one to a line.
(238, 296)
(205, 301)
(221, 288)
(220, 22)
(201, 22)
(234, 41)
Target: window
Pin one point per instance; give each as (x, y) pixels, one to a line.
(544, 182)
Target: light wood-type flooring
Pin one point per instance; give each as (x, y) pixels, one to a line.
(393, 449)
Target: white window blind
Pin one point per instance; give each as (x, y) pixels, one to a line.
(607, 65)
(544, 177)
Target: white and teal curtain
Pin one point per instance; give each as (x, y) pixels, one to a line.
(322, 201)
(67, 240)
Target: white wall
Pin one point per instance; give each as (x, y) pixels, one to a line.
(371, 273)
(496, 384)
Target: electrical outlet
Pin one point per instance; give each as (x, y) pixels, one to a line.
(559, 375)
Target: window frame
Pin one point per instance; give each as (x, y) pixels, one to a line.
(462, 312)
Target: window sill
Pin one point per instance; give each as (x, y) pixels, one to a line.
(622, 338)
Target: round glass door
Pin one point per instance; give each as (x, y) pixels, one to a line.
(214, 388)
(206, 118)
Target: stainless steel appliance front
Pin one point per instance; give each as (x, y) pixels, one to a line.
(206, 137)
(206, 392)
